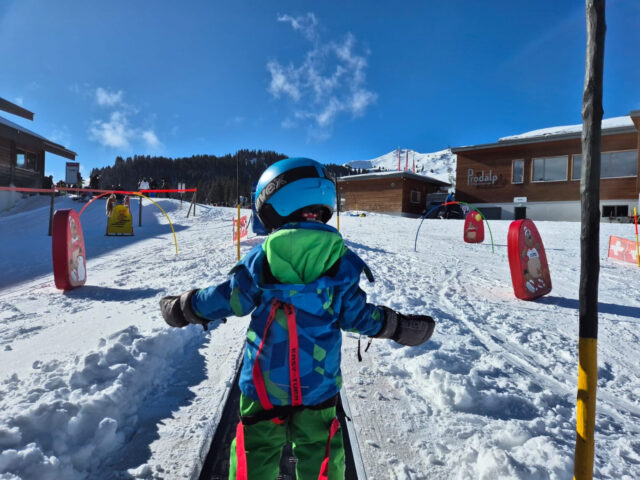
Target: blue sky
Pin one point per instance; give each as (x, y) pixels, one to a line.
(334, 81)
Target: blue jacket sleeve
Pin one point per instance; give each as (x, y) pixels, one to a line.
(237, 296)
(357, 315)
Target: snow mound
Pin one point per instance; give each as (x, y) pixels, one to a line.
(68, 424)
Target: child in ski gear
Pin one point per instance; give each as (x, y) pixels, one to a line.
(301, 287)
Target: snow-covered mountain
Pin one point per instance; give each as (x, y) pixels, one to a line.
(440, 165)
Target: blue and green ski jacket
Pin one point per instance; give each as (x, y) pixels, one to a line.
(306, 265)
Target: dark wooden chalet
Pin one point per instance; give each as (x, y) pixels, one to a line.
(22, 152)
(400, 193)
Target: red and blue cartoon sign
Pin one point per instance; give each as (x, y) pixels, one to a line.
(528, 261)
(67, 248)
(473, 227)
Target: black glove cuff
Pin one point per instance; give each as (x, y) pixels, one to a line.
(389, 325)
(187, 310)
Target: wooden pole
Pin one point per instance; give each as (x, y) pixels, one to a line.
(589, 241)
(53, 196)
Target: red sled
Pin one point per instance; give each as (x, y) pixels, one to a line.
(67, 248)
(473, 228)
(528, 261)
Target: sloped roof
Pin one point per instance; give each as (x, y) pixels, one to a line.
(18, 133)
(610, 126)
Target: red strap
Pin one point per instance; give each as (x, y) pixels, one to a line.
(294, 360)
(324, 469)
(241, 454)
(294, 363)
(258, 380)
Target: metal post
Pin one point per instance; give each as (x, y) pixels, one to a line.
(140, 212)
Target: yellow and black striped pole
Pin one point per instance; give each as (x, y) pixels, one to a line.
(589, 242)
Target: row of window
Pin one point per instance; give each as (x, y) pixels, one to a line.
(555, 169)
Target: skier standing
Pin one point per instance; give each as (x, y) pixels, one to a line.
(302, 287)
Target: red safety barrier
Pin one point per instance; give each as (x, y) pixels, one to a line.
(87, 190)
(67, 248)
(473, 228)
(528, 261)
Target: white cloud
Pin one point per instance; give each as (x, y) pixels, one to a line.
(306, 24)
(19, 101)
(106, 98)
(329, 81)
(150, 137)
(114, 132)
(118, 130)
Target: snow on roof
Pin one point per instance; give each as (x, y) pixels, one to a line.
(607, 124)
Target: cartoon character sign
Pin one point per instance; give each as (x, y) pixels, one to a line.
(69, 254)
(528, 261)
(473, 228)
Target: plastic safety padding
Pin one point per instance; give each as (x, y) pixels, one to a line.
(473, 228)
(528, 261)
(67, 248)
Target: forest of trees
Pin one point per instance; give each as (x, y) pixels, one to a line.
(213, 176)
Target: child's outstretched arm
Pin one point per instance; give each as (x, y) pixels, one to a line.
(382, 322)
(237, 296)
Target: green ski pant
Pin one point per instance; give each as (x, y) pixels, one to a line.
(307, 430)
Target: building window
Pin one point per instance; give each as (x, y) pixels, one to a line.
(576, 167)
(612, 164)
(26, 160)
(549, 169)
(415, 196)
(615, 211)
(517, 171)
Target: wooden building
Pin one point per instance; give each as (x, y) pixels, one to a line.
(400, 193)
(22, 152)
(537, 174)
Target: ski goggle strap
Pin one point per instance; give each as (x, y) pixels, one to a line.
(294, 363)
(324, 469)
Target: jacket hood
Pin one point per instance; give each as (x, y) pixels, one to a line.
(299, 254)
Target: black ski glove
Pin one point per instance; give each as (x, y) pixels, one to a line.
(177, 311)
(408, 330)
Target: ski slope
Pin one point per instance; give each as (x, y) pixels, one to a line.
(93, 384)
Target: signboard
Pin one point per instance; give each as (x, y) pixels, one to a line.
(120, 221)
(527, 261)
(519, 200)
(67, 248)
(244, 228)
(473, 228)
(71, 174)
(623, 250)
(475, 178)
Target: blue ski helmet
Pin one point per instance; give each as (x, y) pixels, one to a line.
(291, 185)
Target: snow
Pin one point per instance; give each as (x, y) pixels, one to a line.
(439, 165)
(607, 124)
(93, 384)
